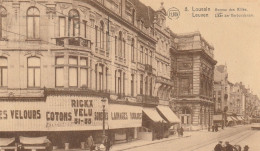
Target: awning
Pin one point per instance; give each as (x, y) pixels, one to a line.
(229, 119)
(6, 141)
(234, 118)
(239, 118)
(168, 113)
(33, 140)
(153, 114)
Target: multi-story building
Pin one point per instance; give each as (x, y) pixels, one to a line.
(61, 60)
(193, 74)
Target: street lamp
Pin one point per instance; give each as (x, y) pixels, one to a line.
(104, 104)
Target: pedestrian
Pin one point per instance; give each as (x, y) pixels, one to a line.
(218, 147)
(20, 147)
(246, 148)
(91, 143)
(216, 127)
(228, 147)
(213, 128)
(49, 146)
(237, 148)
(178, 131)
(107, 143)
(181, 131)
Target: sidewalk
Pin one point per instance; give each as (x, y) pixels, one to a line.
(139, 143)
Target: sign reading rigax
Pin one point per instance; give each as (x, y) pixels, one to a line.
(67, 113)
(74, 113)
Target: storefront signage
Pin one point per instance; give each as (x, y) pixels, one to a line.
(124, 116)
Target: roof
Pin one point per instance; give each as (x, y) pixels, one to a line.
(144, 13)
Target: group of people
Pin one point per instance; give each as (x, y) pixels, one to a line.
(214, 128)
(180, 131)
(106, 144)
(229, 147)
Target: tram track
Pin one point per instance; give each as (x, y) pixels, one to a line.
(214, 140)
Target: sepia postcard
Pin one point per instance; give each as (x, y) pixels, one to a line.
(129, 75)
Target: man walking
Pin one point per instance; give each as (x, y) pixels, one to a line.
(218, 147)
(228, 147)
(91, 143)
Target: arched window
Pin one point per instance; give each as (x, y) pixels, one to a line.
(33, 23)
(102, 41)
(3, 72)
(74, 25)
(34, 72)
(133, 50)
(3, 22)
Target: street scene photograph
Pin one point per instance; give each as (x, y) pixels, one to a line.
(129, 75)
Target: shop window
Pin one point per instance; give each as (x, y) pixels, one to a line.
(34, 72)
(3, 22)
(62, 26)
(59, 71)
(74, 23)
(33, 23)
(3, 72)
(84, 72)
(73, 71)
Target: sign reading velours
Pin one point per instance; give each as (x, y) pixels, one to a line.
(63, 113)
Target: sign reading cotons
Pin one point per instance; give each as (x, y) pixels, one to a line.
(70, 113)
(124, 116)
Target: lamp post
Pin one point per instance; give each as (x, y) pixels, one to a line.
(104, 104)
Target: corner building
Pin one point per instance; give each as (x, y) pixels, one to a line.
(59, 59)
(193, 75)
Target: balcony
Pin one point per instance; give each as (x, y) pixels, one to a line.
(147, 100)
(148, 68)
(164, 81)
(73, 41)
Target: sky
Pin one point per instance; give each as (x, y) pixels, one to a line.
(236, 39)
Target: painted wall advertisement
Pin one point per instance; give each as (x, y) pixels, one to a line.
(67, 113)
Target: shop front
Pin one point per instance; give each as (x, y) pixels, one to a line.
(153, 124)
(124, 121)
(171, 119)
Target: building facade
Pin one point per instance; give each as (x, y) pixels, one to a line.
(193, 74)
(59, 61)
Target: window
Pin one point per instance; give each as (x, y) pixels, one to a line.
(133, 16)
(141, 54)
(151, 58)
(84, 72)
(33, 23)
(151, 86)
(141, 84)
(101, 77)
(185, 86)
(62, 26)
(132, 84)
(116, 46)
(73, 71)
(3, 22)
(34, 72)
(85, 28)
(133, 50)
(59, 71)
(146, 56)
(96, 35)
(146, 85)
(3, 72)
(120, 44)
(74, 25)
(102, 41)
(123, 48)
(107, 41)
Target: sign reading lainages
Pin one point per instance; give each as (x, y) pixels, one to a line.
(74, 113)
(124, 116)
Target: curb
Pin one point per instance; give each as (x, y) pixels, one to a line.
(152, 143)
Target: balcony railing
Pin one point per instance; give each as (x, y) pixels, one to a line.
(148, 100)
(73, 41)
